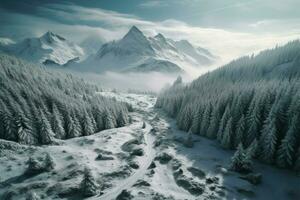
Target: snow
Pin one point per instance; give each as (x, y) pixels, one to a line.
(49, 46)
(135, 50)
(71, 156)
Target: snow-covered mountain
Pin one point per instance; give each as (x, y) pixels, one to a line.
(136, 52)
(50, 48)
(91, 44)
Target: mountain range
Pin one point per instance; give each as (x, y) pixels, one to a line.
(133, 53)
(49, 49)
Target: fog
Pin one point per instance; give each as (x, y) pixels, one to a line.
(151, 81)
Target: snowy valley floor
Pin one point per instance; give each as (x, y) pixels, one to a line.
(137, 162)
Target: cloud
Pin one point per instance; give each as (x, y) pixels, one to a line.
(77, 23)
(151, 4)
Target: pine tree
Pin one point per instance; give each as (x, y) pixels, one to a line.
(240, 130)
(225, 117)
(237, 159)
(287, 149)
(24, 132)
(196, 121)
(6, 125)
(94, 125)
(99, 120)
(241, 160)
(253, 119)
(49, 163)
(88, 184)
(87, 124)
(252, 150)
(77, 126)
(205, 120)
(57, 123)
(109, 121)
(73, 126)
(46, 133)
(214, 124)
(268, 138)
(226, 139)
(121, 119)
(247, 164)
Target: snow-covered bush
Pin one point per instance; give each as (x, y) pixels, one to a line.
(88, 184)
(38, 105)
(49, 163)
(34, 167)
(241, 160)
(254, 98)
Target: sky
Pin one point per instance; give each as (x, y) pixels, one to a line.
(228, 28)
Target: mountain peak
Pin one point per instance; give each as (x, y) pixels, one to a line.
(134, 32)
(135, 29)
(160, 36)
(50, 37)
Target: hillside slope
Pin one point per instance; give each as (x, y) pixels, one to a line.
(253, 101)
(38, 106)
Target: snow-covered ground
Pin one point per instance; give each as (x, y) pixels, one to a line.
(151, 162)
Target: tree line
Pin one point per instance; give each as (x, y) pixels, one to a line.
(252, 102)
(38, 105)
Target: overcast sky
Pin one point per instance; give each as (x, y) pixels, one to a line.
(229, 28)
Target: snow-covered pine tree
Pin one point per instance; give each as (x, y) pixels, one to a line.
(205, 120)
(24, 131)
(88, 184)
(287, 150)
(223, 122)
(121, 119)
(252, 149)
(247, 164)
(186, 118)
(99, 120)
(213, 124)
(268, 139)
(76, 114)
(49, 163)
(109, 121)
(226, 139)
(240, 130)
(94, 125)
(241, 161)
(237, 159)
(73, 126)
(69, 125)
(253, 122)
(87, 125)
(46, 134)
(57, 123)
(6, 125)
(196, 122)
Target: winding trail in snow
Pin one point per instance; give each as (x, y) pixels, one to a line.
(145, 161)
